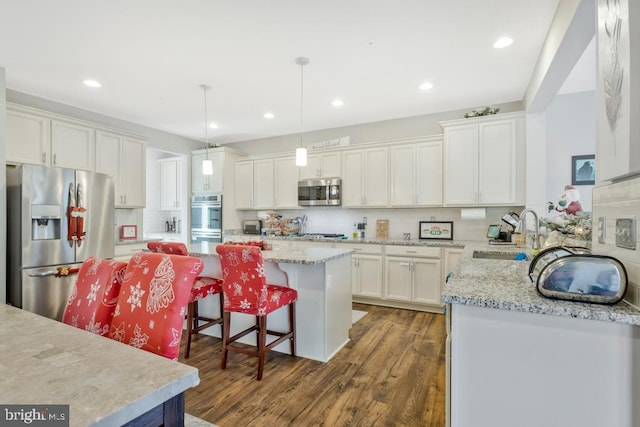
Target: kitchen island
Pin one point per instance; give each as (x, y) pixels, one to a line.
(322, 277)
(517, 358)
(104, 382)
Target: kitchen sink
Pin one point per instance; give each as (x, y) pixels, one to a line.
(510, 256)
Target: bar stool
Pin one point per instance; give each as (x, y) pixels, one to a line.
(202, 288)
(93, 299)
(246, 291)
(152, 302)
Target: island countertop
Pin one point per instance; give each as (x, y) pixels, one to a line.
(505, 285)
(311, 256)
(106, 383)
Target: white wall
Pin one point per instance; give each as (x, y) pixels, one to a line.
(571, 131)
(3, 189)
(407, 127)
(156, 139)
(340, 220)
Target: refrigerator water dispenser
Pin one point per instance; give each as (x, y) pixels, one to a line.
(45, 222)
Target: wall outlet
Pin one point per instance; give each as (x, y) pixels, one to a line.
(602, 229)
(626, 233)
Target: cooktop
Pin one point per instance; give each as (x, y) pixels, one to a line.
(325, 235)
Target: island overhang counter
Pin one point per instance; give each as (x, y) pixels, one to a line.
(515, 357)
(322, 277)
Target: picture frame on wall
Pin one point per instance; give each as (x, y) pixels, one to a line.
(583, 170)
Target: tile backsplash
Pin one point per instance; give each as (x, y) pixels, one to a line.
(612, 202)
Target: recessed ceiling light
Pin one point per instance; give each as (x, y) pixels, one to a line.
(426, 86)
(503, 42)
(268, 115)
(213, 125)
(337, 103)
(91, 83)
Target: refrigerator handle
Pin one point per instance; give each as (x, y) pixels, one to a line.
(44, 273)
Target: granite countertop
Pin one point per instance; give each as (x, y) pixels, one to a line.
(105, 382)
(505, 285)
(303, 238)
(288, 255)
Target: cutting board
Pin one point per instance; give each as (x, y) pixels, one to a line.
(382, 229)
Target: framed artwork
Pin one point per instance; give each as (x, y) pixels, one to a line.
(583, 170)
(436, 230)
(128, 232)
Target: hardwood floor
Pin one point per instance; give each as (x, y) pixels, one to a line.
(391, 373)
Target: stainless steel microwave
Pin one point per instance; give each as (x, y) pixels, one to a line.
(319, 192)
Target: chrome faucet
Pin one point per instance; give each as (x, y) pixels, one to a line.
(536, 229)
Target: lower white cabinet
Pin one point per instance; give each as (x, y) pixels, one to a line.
(366, 269)
(413, 274)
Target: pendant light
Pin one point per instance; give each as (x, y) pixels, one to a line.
(207, 164)
(301, 152)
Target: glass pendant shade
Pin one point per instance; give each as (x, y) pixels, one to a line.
(207, 166)
(301, 156)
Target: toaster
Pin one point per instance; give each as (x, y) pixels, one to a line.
(252, 226)
(574, 274)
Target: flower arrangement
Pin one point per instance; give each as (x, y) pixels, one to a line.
(481, 112)
(567, 229)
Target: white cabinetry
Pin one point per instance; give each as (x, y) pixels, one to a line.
(28, 138)
(72, 146)
(365, 178)
(484, 161)
(286, 183)
(326, 165)
(413, 274)
(416, 174)
(170, 184)
(123, 158)
(254, 184)
(206, 183)
(38, 139)
(366, 269)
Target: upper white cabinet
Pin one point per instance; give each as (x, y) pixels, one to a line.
(415, 174)
(286, 183)
(206, 183)
(37, 139)
(254, 181)
(484, 160)
(123, 158)
(72, 146)
(365, 178)
(170, 184)
(28, 138)
(325, 165)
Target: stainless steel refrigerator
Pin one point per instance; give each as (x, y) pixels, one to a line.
(56, 219)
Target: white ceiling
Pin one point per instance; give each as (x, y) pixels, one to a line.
(152, 55)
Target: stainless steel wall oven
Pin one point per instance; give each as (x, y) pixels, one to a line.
(206, 218)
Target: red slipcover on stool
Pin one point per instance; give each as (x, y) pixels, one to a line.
(246, 291)
(203, 287)
(94, 295)
(153, 301)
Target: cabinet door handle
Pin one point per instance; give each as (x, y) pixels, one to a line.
(125, 199)
(411, 252)
(44, 157)
(54, 158)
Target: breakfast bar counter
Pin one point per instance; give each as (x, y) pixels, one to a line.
(515, 357)
(104, 382)
(322, 277)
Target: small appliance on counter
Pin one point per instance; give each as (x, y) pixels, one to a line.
(252, 226)
(574, 274)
